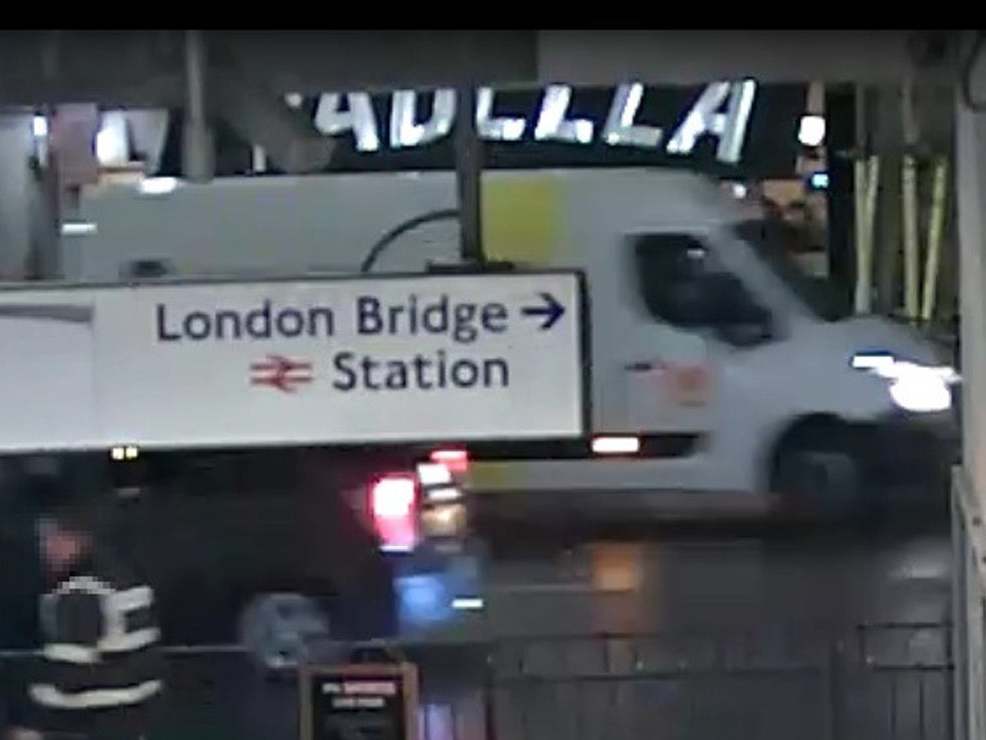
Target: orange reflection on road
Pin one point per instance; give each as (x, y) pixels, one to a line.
(616, 566)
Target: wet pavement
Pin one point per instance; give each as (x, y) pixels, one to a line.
(710, 577)
(770, 632)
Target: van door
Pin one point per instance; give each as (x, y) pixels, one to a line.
(669, 376)
(678, 284)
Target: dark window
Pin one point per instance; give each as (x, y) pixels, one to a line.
(671, 269)
(681, 284)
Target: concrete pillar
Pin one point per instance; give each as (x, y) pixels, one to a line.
(971, 192)
(20, 196)
(940, 134)
(970, 491)
(840, 115)
(887, 141)
(198, 145)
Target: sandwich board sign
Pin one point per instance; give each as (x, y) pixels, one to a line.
(359, 702)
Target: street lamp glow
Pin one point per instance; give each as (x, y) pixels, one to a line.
(811, 131)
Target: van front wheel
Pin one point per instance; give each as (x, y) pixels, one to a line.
(820, 475)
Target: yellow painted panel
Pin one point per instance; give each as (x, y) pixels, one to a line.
(492, 476)
(523, 218)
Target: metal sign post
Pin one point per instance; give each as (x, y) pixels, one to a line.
(468, 171)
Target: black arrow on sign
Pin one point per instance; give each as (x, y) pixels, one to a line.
(551, 311)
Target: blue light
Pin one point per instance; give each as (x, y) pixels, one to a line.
(423, 599)
(819, 180)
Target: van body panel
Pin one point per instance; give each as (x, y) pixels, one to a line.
(649, 377)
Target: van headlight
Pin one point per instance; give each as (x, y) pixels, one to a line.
(913, 387)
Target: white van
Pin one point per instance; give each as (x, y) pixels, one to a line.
(717, 365)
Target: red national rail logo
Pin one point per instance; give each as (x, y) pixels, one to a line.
(281, 373)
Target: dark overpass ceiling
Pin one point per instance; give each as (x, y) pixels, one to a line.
(145, 68)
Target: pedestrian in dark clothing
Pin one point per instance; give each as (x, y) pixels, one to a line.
(100, 670)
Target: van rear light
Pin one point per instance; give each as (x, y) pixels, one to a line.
(616, 445)
(434, 474)
(393, 496)
(393, 504)
(456, 460)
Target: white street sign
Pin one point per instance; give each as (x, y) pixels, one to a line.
(320, 361)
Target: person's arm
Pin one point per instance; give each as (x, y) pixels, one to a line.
(71, 646)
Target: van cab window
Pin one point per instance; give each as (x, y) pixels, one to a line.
(680, 283)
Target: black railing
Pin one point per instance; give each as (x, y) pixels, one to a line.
(877, 681)
(890, 681)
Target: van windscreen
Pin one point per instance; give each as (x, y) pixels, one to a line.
(774, 241)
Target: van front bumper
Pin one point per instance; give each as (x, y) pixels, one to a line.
(913, 449)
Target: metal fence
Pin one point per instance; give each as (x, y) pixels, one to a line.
(874, 681)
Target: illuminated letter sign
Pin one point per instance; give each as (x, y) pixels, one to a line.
(721, 111)
(358, 119)
(620, 128)
(495, 129)
(405, 131)
(704, 118)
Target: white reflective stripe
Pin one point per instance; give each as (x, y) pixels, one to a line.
(49, 696)
(129, 640)
(86, 584)
(132, 599)
(68, 653)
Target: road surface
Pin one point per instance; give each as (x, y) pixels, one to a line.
(752, 631)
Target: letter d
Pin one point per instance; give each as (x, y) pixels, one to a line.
(263, 316)
(428, 317)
